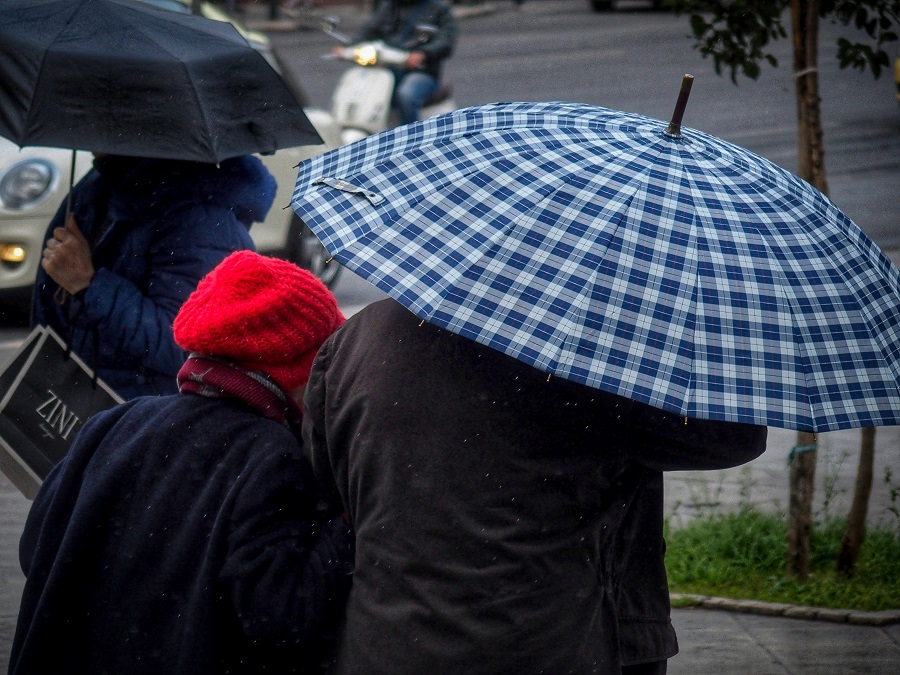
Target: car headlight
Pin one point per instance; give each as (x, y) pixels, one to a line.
(27, 183)
(12, 253)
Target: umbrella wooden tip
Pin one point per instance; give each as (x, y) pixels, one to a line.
(674, 128)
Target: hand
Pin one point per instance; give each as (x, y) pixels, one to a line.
(415, 60)
(67, 258)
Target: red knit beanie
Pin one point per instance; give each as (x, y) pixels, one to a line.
(263, 314)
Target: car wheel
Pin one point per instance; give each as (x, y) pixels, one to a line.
(601, 5)
(305, 250)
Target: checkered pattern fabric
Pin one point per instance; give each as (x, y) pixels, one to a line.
(689, 274)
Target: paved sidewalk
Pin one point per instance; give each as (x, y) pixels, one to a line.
(13, 511)
(719, 643)
(713, 642)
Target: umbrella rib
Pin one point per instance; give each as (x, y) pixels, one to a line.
(649, 157)
(193, 89)
(780, 284)
(200, 109)
(796, 330)
(31, 108)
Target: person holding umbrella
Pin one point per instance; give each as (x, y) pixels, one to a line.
(174, 106)
(181, 534)
(141, 234)
(581, 300)
(504, 523)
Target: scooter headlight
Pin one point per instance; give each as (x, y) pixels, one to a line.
(27, 183)
(365, 55)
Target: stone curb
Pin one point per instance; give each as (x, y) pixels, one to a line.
(882, 618)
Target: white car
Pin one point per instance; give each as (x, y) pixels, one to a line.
(34, 181)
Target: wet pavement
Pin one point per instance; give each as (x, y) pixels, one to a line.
(713, 641)
(747, 638)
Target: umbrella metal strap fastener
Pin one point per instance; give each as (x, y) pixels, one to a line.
(374, 198)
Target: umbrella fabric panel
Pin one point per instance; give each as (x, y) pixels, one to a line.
(128, 78)
(820, 294)
(688, 274)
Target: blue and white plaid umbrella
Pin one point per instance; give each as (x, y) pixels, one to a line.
(686, 273)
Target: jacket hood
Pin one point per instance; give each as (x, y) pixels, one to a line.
(241, 184)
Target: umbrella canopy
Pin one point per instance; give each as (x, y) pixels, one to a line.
(683, 272)
(125, 78)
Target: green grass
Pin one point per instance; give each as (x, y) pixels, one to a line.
(743, 555)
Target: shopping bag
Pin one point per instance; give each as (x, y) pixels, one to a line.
(9, 375)
(47, 395)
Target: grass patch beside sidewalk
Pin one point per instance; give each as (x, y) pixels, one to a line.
(743, 555)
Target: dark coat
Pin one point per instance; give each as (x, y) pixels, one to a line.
(178, 538)
(394, 21)
(504, 523)
(156, 228)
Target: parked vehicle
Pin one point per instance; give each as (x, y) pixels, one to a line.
(897, 75)
(34, 181)
(607, 5)
(361, 102)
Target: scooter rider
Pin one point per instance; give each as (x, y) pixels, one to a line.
(395, 21)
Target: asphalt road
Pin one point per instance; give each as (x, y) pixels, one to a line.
(634, 60)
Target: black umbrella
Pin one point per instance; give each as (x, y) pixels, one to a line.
(125, 78)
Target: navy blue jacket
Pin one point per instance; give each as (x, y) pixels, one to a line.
(156, 228)
(179, 536)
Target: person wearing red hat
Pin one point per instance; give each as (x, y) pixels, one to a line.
(183, 534)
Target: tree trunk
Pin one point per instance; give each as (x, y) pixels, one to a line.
(855, 532)
(810, 147)
(802, 479)
(810, 167)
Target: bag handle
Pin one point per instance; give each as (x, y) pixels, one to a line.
(65, 299)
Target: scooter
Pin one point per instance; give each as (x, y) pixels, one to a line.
(360, 107)
(361, 103)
